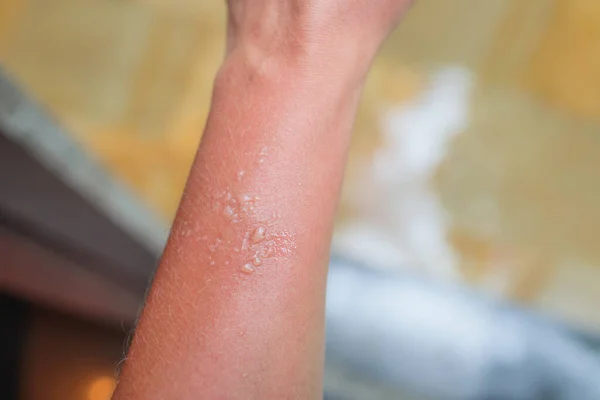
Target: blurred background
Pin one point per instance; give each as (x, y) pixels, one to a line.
(468, 232)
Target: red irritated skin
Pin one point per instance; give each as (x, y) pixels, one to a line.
(236, 309)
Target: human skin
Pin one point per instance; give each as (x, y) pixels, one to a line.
(236, 309)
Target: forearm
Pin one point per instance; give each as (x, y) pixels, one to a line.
(236, 309)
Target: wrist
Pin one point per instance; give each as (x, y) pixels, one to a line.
(277, 44)
(304, 61)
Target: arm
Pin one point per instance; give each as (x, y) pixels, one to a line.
(236, 309)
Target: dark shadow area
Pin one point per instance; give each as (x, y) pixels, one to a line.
(13, 321)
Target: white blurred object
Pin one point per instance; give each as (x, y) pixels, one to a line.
(446, 342)
(402, 220)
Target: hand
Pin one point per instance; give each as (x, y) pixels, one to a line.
(349, 31)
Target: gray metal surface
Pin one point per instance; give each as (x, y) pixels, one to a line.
(28, 124)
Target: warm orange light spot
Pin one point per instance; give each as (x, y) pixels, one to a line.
(102, 388)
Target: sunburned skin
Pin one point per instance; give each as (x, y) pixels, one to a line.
(262, 240)
(236, 308)
(242, 211)
(246, 247)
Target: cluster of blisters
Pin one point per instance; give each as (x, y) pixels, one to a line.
(258, 244)
(261, 245)
(234, 207)
(254, 243)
